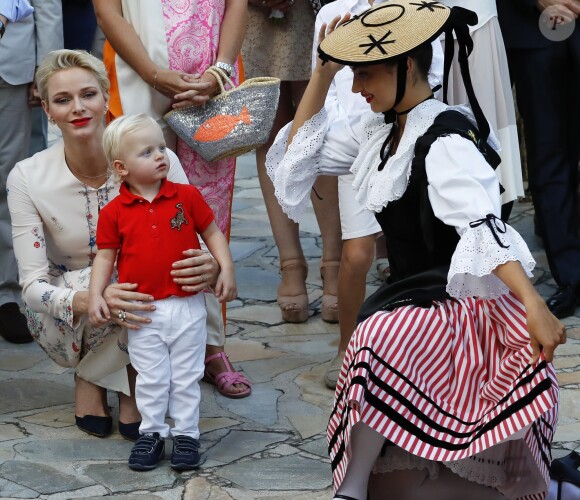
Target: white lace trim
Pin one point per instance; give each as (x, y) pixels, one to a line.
(487, 467)
(477, 255)
(375, 189)
(396, 458)
(294, 171)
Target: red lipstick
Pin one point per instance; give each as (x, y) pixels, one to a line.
(80, 122)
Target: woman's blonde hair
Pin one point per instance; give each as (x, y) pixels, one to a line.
(67, 59)
(116, 132)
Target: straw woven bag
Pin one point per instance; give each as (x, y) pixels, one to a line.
(233, 122)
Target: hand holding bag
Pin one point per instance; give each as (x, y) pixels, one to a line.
(233, 122)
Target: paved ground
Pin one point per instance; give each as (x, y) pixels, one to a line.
(269, 446)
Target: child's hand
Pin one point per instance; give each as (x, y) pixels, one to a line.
(225, 289)
(99, 314)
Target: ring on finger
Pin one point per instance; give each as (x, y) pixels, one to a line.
(123, 315)
(201, 279)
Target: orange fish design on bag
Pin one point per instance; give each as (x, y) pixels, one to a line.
(219, 127)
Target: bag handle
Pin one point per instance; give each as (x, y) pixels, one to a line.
(221, 77)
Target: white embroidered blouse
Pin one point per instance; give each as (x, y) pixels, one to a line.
(463, 190)
(54, 223)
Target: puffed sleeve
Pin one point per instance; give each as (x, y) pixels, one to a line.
(320, 147)
(30, 251)
(464, 193)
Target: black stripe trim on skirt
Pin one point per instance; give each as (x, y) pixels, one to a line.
(424, 437)
(542, 365)
(539, 440)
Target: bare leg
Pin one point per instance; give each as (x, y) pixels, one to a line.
(357, 258)
(325, 204)
(285, 230)
(90, 399)
(128, 412)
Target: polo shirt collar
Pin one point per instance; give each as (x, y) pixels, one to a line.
(166, 190)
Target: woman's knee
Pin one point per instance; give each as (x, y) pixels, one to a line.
(357, 255)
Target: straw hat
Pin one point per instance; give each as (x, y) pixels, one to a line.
(388, 30)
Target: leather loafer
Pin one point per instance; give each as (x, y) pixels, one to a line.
(130, 431)
(563, 303)
(13, 325)
(566, 469)
(95, 426)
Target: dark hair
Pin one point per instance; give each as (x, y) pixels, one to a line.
(422, 56)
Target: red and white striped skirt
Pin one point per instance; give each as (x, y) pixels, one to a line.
(447, 383)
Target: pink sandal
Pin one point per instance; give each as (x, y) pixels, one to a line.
(225, 380)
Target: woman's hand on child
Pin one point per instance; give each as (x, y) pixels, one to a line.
(545, 330)
(196, 272)
(122, 298)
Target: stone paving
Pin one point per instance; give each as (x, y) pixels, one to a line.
(268, 446)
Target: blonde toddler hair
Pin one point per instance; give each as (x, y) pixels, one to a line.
(116, 132)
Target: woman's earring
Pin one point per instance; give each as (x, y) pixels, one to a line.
(51, 120)
(106, 109)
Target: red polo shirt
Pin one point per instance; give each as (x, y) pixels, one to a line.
(150, 237)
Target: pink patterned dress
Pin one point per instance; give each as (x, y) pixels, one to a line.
(192, 30)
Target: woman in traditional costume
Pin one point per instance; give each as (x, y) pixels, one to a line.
(448, 381)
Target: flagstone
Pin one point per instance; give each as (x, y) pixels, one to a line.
(286, 473)
(8, 489)
(313, 389)
(266, 314)
(63, 417)
(567, 432)
(308, 425)
(9, 432)
(561, 362)
(23, 361)
(75, 449)
(41, 478)
(264, 370)
(247, 350)
(212, 424)
(568, 378)
(199, 488)
(118, 478)
(27, 394)
(262, 407)
(239, 444)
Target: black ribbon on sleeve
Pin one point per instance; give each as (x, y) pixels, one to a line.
(495, 225)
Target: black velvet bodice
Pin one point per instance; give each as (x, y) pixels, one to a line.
(416, 240)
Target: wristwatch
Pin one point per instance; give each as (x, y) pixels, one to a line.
(2, 29)
(228, 68)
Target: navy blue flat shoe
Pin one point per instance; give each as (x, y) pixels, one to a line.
(130, 431)
(95, 426)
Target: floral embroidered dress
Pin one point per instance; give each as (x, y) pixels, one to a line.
(54, 221)
(183, 36)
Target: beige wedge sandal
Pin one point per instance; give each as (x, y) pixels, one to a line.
(294, 308)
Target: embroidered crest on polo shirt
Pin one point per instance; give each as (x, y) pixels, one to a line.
(179, 218)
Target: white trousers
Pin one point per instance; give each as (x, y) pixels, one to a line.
(168, 355)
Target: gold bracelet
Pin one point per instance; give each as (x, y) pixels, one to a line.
(155, 81)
